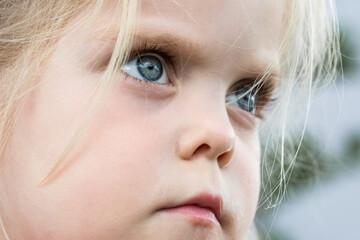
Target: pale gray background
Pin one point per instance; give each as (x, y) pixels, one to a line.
(330, 210)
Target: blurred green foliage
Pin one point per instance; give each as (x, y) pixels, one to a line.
(347, 49)
(275, 236)
(303, 163)
(351, 150)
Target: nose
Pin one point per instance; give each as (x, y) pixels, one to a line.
(207, 135)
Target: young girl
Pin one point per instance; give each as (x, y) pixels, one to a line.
(139, 119)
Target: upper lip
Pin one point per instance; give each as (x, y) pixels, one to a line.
(206, 200)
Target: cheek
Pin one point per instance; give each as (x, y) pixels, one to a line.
(249, 162)
(117, 166)
(249, 166)
(113, 167)
(243, 179)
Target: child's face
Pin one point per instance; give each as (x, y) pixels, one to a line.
(157, 141)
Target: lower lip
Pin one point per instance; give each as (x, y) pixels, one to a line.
(198, 215)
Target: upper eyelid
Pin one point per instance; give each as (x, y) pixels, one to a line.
(146, 46)
(258, 83)
(137, 55)
(248, 83)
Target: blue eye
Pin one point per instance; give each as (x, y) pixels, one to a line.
(243, 98)
(148, 68)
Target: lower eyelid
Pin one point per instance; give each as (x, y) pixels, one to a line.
(146, 88)
(241, 118)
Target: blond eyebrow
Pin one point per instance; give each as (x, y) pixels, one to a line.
(161, 38)
(170, 39)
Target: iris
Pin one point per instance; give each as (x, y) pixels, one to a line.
(149, 67)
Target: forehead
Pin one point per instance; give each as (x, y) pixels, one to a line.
(235, 27)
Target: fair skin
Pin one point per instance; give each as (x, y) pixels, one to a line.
(151, 145)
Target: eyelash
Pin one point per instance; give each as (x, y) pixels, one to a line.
(263, 94)
(162, 51)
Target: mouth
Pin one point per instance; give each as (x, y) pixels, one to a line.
(204, 209)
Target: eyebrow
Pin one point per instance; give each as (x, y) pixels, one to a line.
(179, 41)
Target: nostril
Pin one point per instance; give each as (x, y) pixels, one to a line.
(202, 149)
(199, 142)
(225, 158)
(222, 159)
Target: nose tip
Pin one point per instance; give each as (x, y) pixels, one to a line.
(206, 141)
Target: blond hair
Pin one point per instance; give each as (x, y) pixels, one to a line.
(30, 29)
(310, 58)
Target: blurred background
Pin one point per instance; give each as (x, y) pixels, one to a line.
(322, 200)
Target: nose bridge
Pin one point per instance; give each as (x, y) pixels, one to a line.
(206, 131)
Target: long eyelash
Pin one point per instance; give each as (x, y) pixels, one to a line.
(265, 98)
(263, 92)
(164, 51)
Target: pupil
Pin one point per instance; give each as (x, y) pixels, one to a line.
(150, 68)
